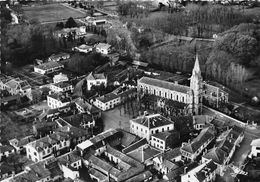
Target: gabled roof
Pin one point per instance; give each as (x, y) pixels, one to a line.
(217, 155)
(165, 85)
(144, 153)
(49, 65)
(203, 137)
(162, 135)
(103, 46)
(152, 121)
(78, 120)
(171, 154)
(17, 83)
(135, 146)
(128, 138)
(256, 142)
(209, 168)
(93, 76)
(62, 84)
(6, 148)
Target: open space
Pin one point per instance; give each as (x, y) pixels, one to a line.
(51, 12)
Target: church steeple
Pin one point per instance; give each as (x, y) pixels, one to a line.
(196, 69)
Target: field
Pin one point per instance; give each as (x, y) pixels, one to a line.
(51, 12)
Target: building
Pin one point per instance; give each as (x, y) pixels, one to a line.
(17, 86)
(103, 48)
(82, 120)
(255, 148)
(201, 121)
(85, 107)
(164, 140)
(19, 144)
(60, 78)
(193, 149)
(83, 48)
(58, 100)
(6, 171)
(147, 125)
(96, 79)
(59, 57)
(77, 31)
(206, 172)
(61, 87)
(192, 95)
(49, 67)
(5, 151)
(115, 98)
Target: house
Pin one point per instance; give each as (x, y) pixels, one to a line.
(47, 146)
(144, 176)
(139, 64)
(5, 151)
(193, 149)
(10, 100)
(60, 78)
(164, 140)
(19, 144)
(82, 120)
(61, 87)
(85, 107)
(225, 148)
(96, 79)
(59, 57)
(205, 172)
(255, 148)
(103, 48)
(147, 125)
(47, 68)
(201, 121)
(44, 128)
(57, 100)
(166, 162)
(113, 99)
(17, 86)
(83, 48)
(6, 170)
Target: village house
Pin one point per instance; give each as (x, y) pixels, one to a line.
(96, 79)
(5, 151)
(59, 57)
(103, 48)
(17, 86)
(85, 107)
(205, 172)
(49, 67)
(77, 31)
(83, 48)
(6, 170)
(60, 78)
(164, 140)
(255, 148)
(147, 125)
(57, 100)
(224, 149)
(19, 144)
(61, 87)
(192, 150)
(201, 121)
(115, 98)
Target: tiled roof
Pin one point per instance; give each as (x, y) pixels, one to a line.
(93, 76)
(165, 85)
(60, 97)
(171, 154)
(17, 84)
(73, 131)
(206, 171)
(85, 105)
(78, 120)
(135, 146)
(103, 46)
(162, 135)
(6, 168)
(69, 158)
(49, 65)
(128, 138)
(84, 46)
(203, 137)
(144, 153)
(140, 177)
(62, 84)
(6, 148)
(152, 121)
(98, 175)
(217, 155)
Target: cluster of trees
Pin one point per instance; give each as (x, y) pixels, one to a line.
(132, 10)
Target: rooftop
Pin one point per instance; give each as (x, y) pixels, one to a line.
(17, 83)
(209, 168)
(217, 155)
(62, 84)
(84, 46)
(134, 146)
(256, 142)
(165, 84)
(144, 153)
(93, 76)
(152, 121)
(162, 135)
(49, 65)
(200, 140)
(85, 105)
(103, 46)
(61, 97)
(78, 120)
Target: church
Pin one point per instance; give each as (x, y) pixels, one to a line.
(192, 95)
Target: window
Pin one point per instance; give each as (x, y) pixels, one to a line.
(35, 153)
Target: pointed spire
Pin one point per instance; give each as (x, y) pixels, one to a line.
(196, 68)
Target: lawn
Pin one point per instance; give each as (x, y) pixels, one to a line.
(51, 12)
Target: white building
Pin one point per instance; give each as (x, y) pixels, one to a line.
(57, 100)
(61, 87)
(206, 172)
(146, 126)
(83, 48)
(162, 140)
(103, 48)
(47, 146)
(48, 67)
(60, 78)
(59, 57)
(96, 79)
(255, 148)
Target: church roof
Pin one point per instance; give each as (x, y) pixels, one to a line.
(165, 84)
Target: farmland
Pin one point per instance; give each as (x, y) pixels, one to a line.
(51, 12)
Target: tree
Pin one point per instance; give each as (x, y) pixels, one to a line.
(70, 23)
(60, 25)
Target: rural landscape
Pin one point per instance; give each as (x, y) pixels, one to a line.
(130, 91)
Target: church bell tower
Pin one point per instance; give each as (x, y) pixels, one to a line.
(196, 87)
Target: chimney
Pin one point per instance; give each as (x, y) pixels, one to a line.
(185, 169)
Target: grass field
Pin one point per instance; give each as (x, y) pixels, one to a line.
(51, 12)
